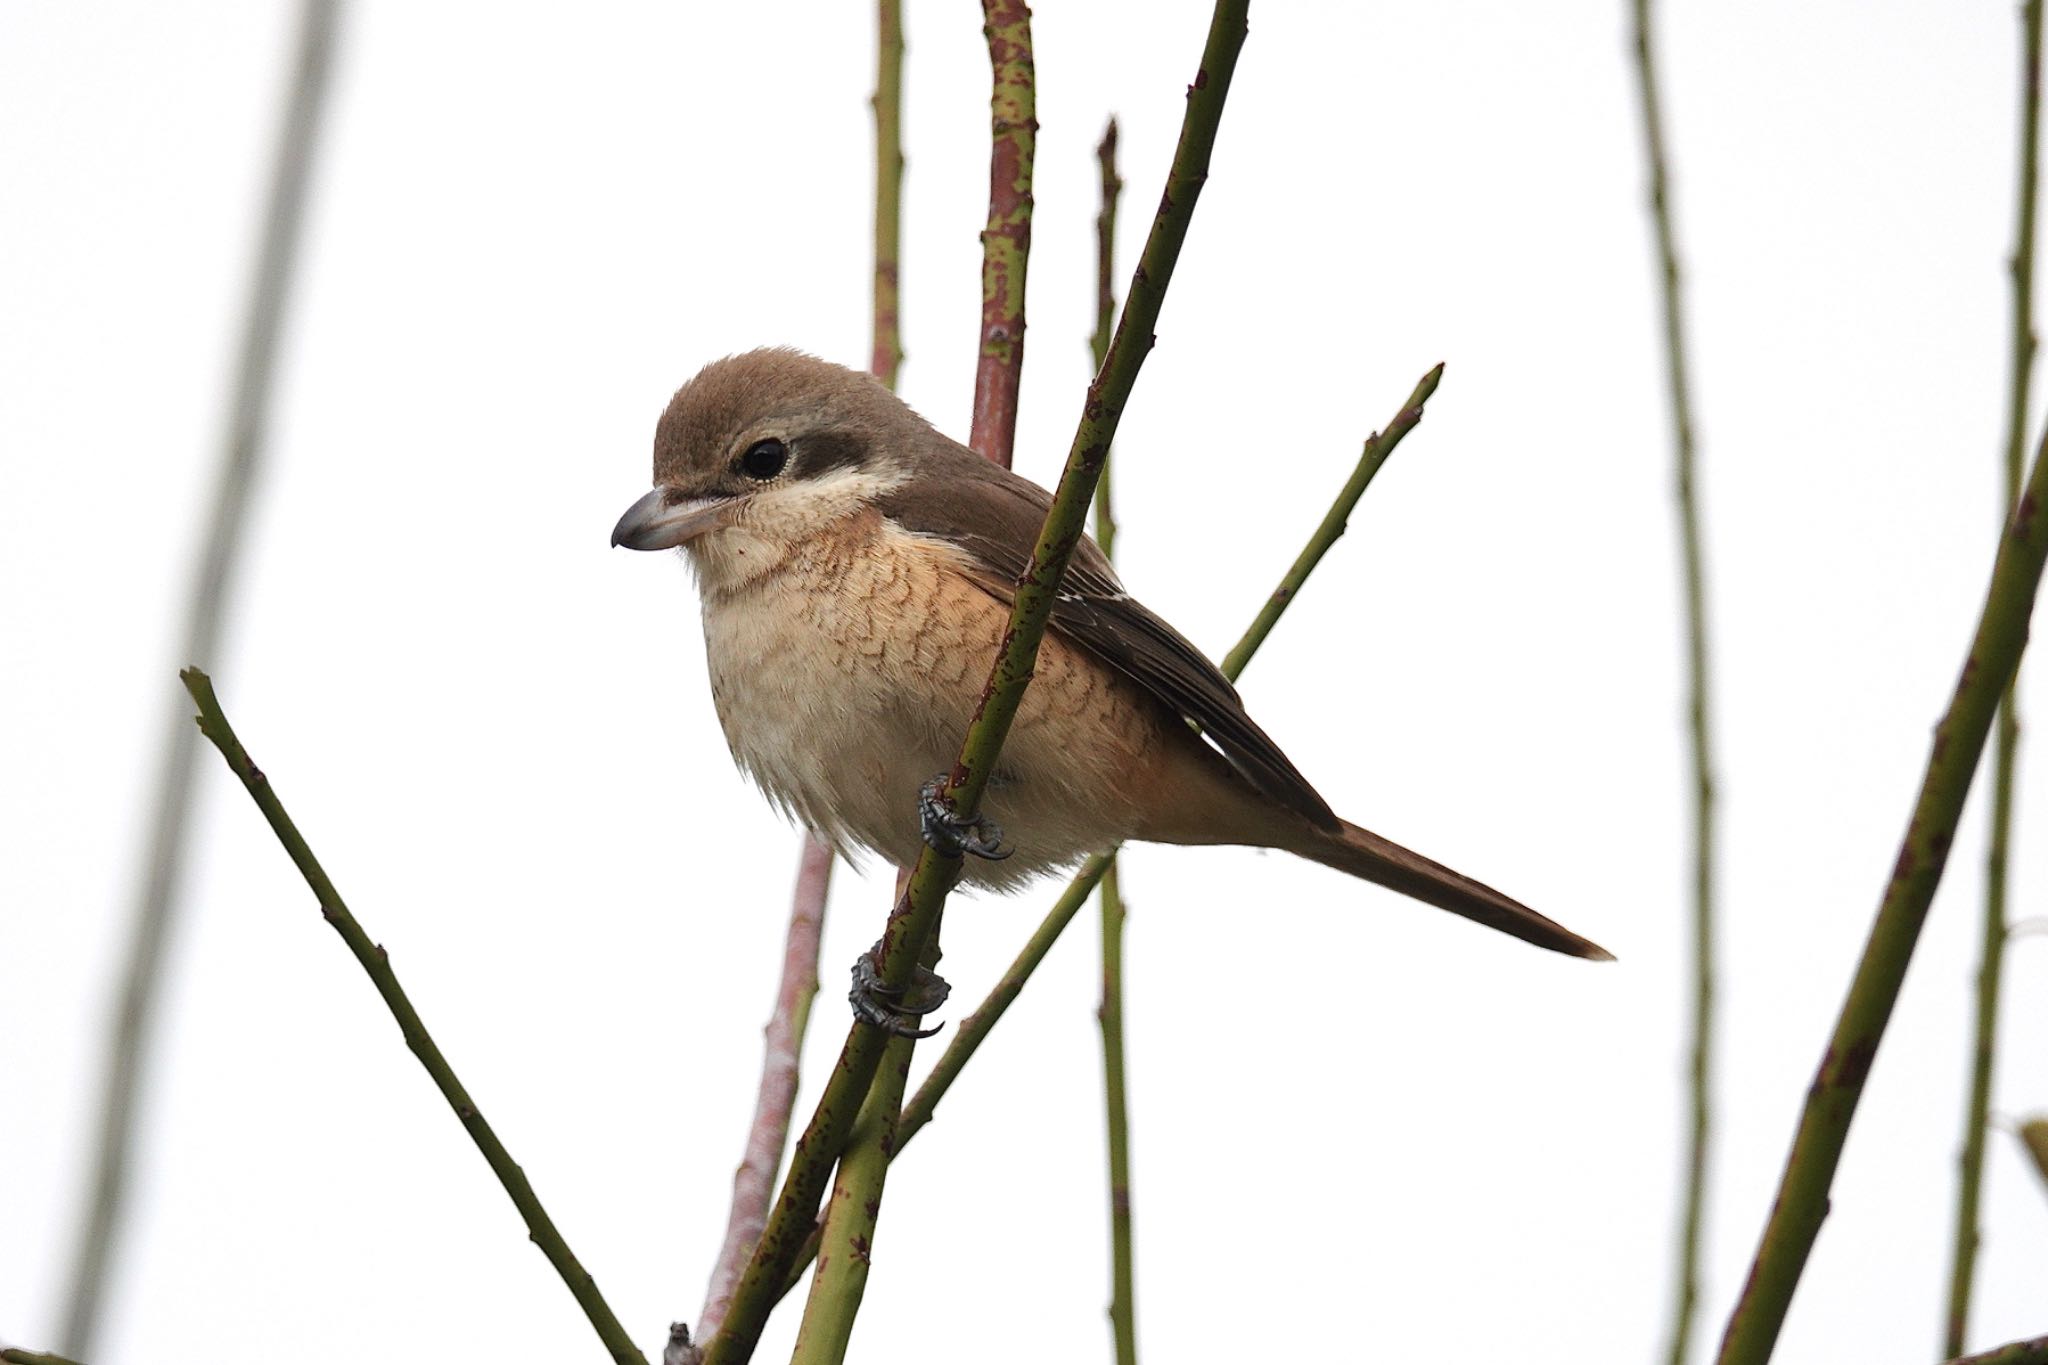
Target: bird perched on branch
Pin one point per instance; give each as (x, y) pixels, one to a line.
(857, 568)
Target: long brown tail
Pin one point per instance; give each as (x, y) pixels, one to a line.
(1364, 854)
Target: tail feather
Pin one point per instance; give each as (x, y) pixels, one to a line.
(1362, 853)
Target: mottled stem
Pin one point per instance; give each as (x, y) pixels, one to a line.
(213, 723)
(1006, 242)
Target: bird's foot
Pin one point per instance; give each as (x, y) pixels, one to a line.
(953, 834)
(895, 1011)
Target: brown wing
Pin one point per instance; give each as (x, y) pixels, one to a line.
(995, 516)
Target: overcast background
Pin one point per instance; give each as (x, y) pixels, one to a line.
(1361, 1128)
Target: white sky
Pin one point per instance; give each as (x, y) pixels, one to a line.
(1362, 1128)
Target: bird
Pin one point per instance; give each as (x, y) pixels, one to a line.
(856, 569)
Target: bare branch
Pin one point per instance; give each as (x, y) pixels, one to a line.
(1988, 669)
(1693, 1181)
(213, 723)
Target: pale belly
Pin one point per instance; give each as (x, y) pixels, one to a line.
(843, 685)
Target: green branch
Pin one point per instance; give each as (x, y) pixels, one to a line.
(846, 1242)
(14, 1355)
(915, 918)
(1692, 1222)
(887, 102)
(1335, 522)
(214, 725)
(1109, 1015)
(1991, 966)
(1994, 657)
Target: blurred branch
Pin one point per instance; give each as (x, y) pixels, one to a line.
(214, 725)
(1801, 1205)
(220, 552)
(14, 1355)
(1110, 1013)
(1991, 965)
(912, 923)
(2034, 1137)
(2034, 1352)
(1692, 1222)
(847, 1239)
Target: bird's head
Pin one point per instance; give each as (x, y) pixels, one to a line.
(762, 450)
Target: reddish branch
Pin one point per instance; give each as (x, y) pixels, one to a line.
(753, 1184)
(1006, 244)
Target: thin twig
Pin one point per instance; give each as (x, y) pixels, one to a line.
(14, 1355)
(887, 102)
(1110, 1013)
(854, 1211)
(241, 455)
(974, 1029)
(214, 725)
(2034, 1352)
(1693, 1179)
(1994, 657)
(1377, 448)
(911, 923)
(1991, 964)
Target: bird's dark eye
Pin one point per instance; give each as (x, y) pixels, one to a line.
(764, 459)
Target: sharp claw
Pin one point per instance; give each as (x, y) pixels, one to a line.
(896, 1011)
(954, 834)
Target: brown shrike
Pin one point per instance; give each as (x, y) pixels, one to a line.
(857, 568)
